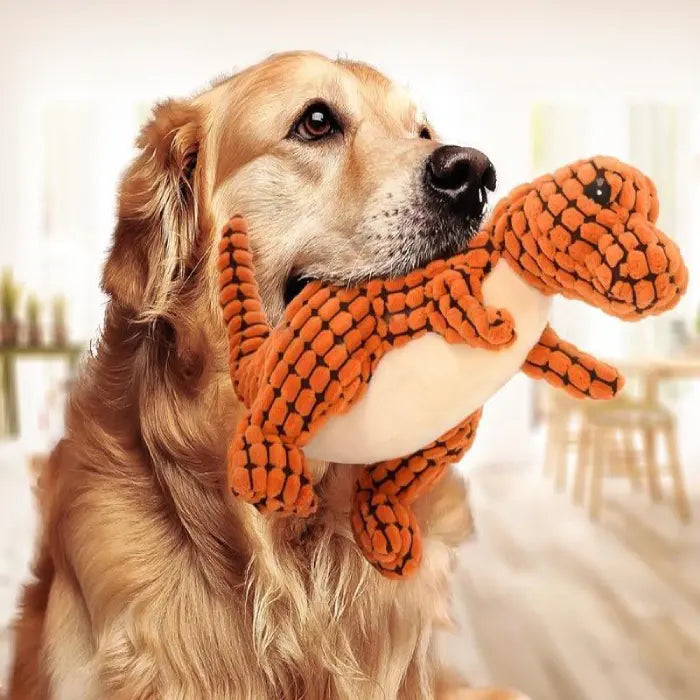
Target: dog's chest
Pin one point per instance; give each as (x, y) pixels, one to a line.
(421, 390)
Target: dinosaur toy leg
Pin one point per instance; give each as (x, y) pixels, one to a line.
(564, 366)
(461, 317)
(267, 472)
(382, 519)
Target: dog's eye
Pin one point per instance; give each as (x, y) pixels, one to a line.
(424, 133)
(315, 123)
(598, 190)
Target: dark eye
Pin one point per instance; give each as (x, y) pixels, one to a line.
(598, 190)
(424, 133)
(315, 123)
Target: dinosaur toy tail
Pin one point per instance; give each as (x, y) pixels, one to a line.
(238, 293)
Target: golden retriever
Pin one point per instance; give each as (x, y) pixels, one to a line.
(151, 582)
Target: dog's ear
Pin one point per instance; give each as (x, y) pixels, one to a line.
(157, 213)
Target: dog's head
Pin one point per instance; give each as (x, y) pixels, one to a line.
(338, 173)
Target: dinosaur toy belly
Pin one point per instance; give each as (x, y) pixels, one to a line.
(427, 386)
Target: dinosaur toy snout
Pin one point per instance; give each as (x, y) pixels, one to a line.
(594, 226)
(638, 270)
(636, 267)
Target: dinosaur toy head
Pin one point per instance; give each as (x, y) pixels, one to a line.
(588, 231)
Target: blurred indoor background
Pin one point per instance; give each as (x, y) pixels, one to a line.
(584, 580)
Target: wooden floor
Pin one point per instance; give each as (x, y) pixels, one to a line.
(564, 609)
(546, 602)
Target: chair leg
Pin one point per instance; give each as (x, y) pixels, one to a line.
(630, 463)
(652, 467)
(680, 497)
(595, 498)
(583, 459)
(562, 455)
(550, 449)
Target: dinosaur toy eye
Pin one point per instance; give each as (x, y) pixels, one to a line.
(598, 190)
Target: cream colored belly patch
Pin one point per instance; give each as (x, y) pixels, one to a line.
(423, 389)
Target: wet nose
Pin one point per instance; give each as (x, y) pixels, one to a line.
(461, 176)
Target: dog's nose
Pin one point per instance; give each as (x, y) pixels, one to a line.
(461, 175)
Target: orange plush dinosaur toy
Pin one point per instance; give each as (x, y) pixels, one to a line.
(339, 378)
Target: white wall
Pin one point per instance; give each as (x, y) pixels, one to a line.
(476, 67)
(473, 65)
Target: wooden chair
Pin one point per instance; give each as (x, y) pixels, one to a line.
(625, 433)
(612, 438)
(563, 417)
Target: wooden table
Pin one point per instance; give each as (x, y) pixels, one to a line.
(653, 370)
(8, 366)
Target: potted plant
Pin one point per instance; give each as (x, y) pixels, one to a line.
(9, 298)
(60, 334)
(33, 327)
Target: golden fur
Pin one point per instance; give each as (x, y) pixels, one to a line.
(151, 582)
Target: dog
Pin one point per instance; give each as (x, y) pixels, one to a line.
(150, 580)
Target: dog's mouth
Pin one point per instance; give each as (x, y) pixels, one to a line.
(454, 238)
(294, 285)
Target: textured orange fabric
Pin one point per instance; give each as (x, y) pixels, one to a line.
(319, 360)
(566, 367)
(382, 520)
(587, 232)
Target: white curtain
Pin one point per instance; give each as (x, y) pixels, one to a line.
(69, 180)
(660, 139)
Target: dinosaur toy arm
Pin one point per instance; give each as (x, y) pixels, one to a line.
(460, 316)
(243, 312)
(564, 366)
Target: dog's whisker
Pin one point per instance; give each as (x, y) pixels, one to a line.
(358, 257)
